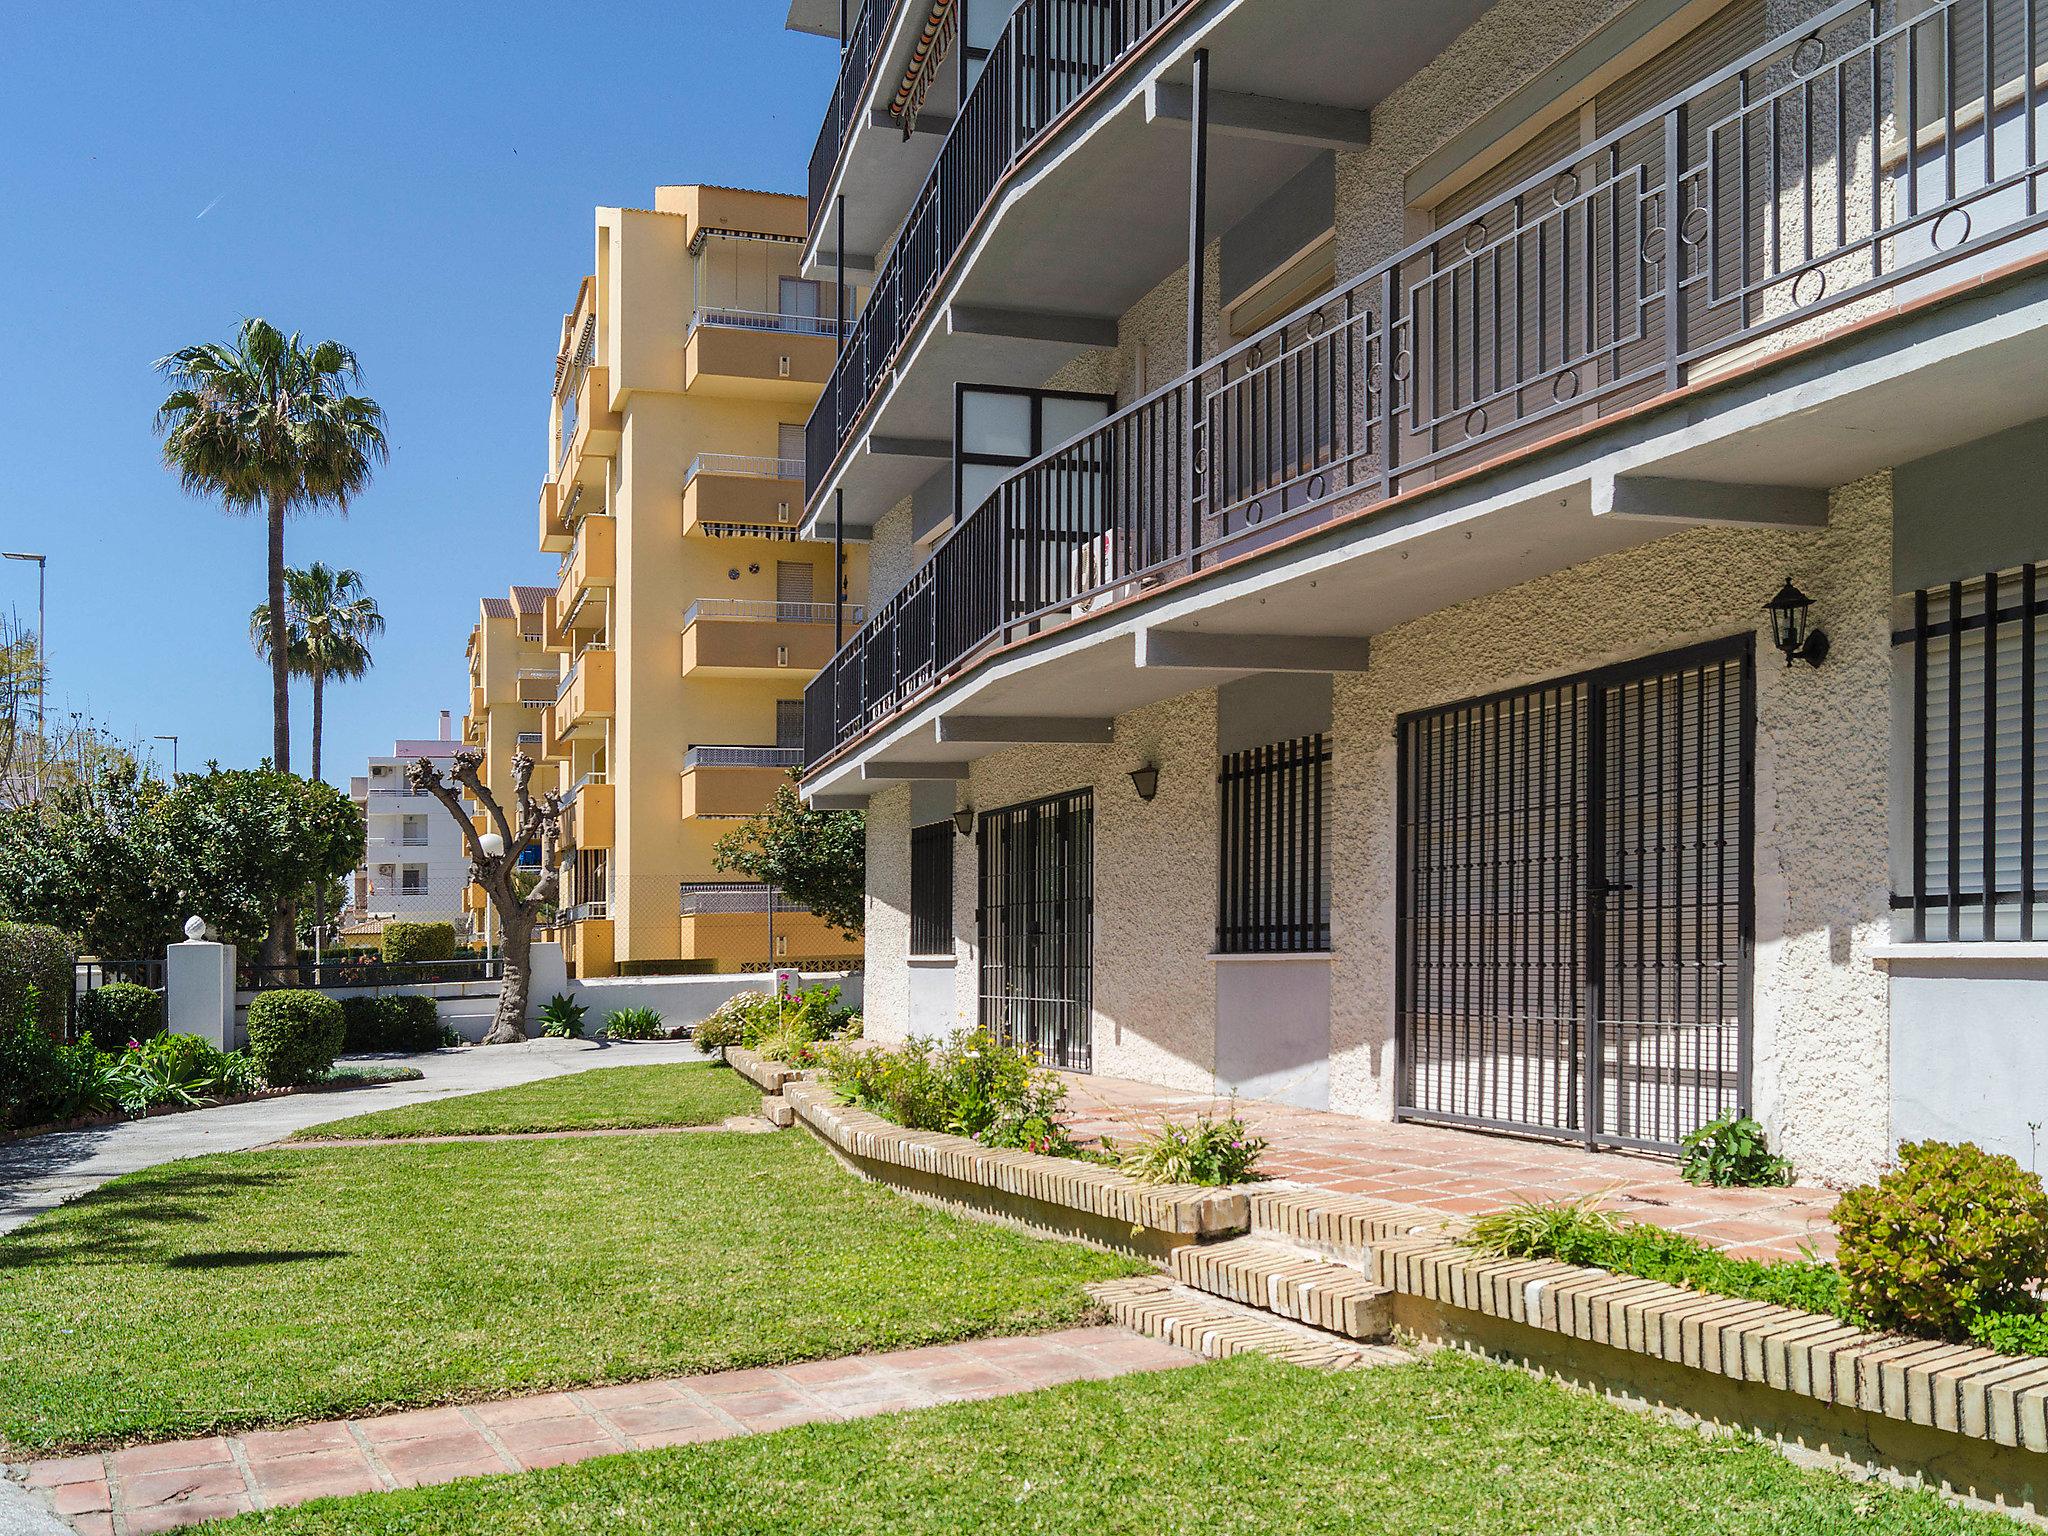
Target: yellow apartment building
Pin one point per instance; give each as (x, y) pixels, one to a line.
(513, 678)
(689, 615)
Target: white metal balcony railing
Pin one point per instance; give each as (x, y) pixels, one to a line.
(587, 911)
(713, 898)
(743, 757)
(578, 787)
(752, 466)
(576, 669)
(766, 320)
(527, 739)
(1599, 283)
(767, 610)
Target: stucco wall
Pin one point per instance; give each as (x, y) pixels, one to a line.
(892, 557)
(1821, 879)
(886, 1013)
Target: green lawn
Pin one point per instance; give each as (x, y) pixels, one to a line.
(260, 1287)
(1244, 1448)
(607, 1099)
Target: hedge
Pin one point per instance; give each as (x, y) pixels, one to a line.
(35, 956)
(406, 942)
(402, 1022)
(294, 1035)
(119, 1012)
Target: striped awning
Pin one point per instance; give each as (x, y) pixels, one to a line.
(934, 42)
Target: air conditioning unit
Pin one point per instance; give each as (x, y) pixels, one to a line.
(782, 511)
(785, 365)
(782, 655)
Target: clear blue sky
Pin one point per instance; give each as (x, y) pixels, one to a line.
(414, 180)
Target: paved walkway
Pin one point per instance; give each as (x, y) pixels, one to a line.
(1467, 1173)
(160, 1487)
(42, 1172)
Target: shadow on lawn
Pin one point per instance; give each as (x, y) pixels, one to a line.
(248, 1258)
(113, 1224)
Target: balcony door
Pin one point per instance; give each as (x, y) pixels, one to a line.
(1037, 916)
(1576, 925)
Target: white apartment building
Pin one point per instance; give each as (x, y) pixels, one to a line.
(1473, 561)
(414, 866)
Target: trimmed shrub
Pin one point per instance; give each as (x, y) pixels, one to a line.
(294, 1035)
(971, 1085)
(363, 1025)
(1953, 1232)
(120, 1012)
(403, 943)
(36, 961)
(403, 1022)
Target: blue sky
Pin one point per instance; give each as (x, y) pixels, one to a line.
(414, 180)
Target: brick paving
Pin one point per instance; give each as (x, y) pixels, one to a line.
(161, 1487)
(1468, 1173)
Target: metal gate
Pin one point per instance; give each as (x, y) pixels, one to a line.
(1037, 909)
(1575, 913)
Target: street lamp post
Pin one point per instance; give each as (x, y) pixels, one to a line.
(42, 650)
(173, 740)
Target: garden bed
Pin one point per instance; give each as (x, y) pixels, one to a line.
(342, 1083)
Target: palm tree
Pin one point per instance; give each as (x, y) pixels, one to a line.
(268, 420)
(329, 621)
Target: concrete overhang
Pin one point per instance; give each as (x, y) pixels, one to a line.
(1096, 217)
(1880, 393)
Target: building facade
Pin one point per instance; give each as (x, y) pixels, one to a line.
(1540, 633)
(689, 613)
(415, 868)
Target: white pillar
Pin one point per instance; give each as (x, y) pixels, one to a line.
(546, 974)
(199, 988)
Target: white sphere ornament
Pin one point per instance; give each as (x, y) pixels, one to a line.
(195, 928)
(493, 846)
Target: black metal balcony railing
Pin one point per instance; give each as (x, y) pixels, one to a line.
(856, 63)
(1797, 180)
(1051, 52)
(743, 757)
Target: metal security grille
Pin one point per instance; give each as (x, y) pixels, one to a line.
(1273, 894)
(1977, 657)
(931, 889)
(1575, 910)
(1037, 927)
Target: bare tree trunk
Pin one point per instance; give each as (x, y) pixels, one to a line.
(509, 1026)
(319, 710)
(280, 658)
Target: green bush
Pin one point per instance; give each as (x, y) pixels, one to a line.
(36, 963)
(173, 1069)
(1953, 1232)
(404, 943)
(971, 1085)
(639, 1023)
(731, 1020)
(120, 1012)
(758, 1019)
(42, 1080)
(562, 1018)
(1731, 1153)
(294, 1035)
(400, 1022)
(1206, 1152)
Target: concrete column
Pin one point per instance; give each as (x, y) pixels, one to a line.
(199, 989)
(547, 974)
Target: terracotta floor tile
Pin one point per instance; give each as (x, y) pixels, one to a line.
(562, 1455)
(179, 1455)
(182, 1484)
(524, 1410)
(725, 1383)
(314, 1467)
(323, 1488)
(533, 1434)
(409, 1456)
(63, 1469)
(81, 1498)
(265, 1445)
(448, 1472)
(664, 1418)
(162, 1517)
(92, 1525)
(417, 1425)
(637, 1394)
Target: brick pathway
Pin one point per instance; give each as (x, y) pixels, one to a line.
(1466, 1173)
(160, 1487)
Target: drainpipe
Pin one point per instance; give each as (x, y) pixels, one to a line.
(1198, 240)
(838, 570)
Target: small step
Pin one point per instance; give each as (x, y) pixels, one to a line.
(1154, 1305)
(1273, 1277)
(1340, 1227)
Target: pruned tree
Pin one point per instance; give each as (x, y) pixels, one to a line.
(534, 823)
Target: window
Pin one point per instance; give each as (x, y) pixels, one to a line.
(413, 832)
(1970, 663)
(997, 429)
(799, 298)
(412, 880)
(1274, 893)
(931, 889)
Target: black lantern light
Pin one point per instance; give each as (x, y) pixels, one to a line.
(1791, 627)
(963, 821)
(1145, 781)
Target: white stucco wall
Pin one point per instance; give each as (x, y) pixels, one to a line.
(886, 1010)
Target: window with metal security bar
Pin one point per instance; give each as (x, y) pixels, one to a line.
(1970, 667)
(931, 889)
(1273, 894)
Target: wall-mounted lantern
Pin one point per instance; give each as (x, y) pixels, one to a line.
(963, 821)
(1145, 781)
(1792, 629)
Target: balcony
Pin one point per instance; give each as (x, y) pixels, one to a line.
(732, 493)
(757, 355)
(1040, 67)
(857, 53)
(589, 435)
(729, 782)
(586, 698)
(1438, 378)
(591, 567)
(555, 532)
(589, 806)
(748, 637)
